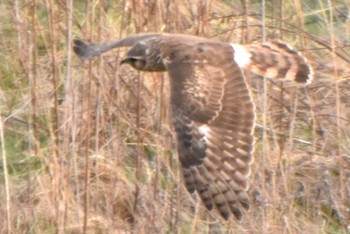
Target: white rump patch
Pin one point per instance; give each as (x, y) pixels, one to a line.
(241, 55)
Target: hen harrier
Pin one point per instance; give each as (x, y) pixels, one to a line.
(212, 111)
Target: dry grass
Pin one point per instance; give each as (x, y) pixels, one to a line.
(89, 145)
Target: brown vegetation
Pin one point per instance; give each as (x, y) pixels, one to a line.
(88, 146)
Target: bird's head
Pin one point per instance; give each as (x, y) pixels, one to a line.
(144, 57)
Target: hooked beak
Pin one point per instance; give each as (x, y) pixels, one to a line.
(125, 60)
(130, 59)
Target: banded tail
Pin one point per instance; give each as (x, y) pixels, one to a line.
(274, 60)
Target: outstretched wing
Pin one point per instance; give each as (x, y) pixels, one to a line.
(213, 116)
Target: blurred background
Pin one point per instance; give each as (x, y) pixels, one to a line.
(87, 146)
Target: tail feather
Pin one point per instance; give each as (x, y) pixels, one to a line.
(274, 60)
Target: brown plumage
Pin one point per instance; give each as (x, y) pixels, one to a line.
(212, 112)
(278, 60)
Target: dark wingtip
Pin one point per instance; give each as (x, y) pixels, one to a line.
(88, 51)
(83, 50)
(79, 48)
(79, 42)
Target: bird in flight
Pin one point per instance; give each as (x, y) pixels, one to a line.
(212, 111)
